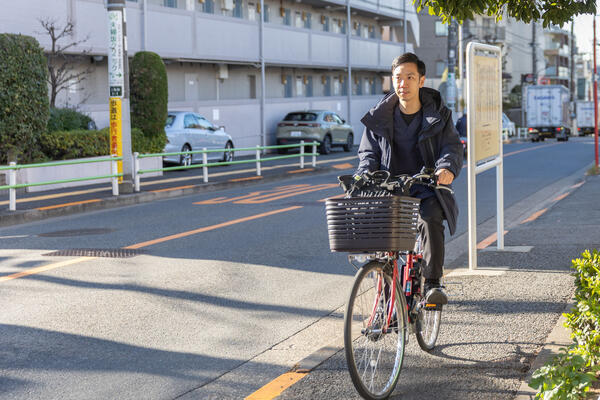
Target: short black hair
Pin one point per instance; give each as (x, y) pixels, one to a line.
(409, 58)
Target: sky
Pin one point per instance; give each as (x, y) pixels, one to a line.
(584, 32)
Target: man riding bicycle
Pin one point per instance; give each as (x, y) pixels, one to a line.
(408, 130)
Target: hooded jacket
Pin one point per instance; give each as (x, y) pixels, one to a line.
(438, 142)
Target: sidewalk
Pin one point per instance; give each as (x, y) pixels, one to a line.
(495, 326)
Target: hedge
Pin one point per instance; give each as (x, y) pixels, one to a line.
(149, 97)
(23, 97)
(66, 145)
(67, 119)
(570, 374)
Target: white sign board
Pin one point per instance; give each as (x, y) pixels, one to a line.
(116, 78)
(484, 133)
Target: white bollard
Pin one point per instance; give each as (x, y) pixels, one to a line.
(114, 169)
(136, 173)
(12, 192)
(314, 157)
(302, 154)
(205, 167)
(258, 172)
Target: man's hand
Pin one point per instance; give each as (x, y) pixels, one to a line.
(444, 176)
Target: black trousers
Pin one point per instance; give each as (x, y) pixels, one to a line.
(431, 228)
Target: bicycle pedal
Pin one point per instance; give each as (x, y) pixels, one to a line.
(432, 307)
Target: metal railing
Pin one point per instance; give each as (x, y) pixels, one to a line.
(13, 167)
(137, 172)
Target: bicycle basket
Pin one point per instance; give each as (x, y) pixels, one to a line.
(361, 224)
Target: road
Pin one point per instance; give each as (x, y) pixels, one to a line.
(218, 295)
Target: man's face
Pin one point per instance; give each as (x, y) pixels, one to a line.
(407, 81)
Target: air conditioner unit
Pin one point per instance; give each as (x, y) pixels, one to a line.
(223, 72)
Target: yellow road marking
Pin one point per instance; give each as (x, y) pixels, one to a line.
(248, 178)
(44, 268)
(343, 166)
(281, 189)
(298, 171)
(173, 188)
(534, 216)
(488, 240)
(278, 196)
(208, 228)
(276, 386)
(69, 204)
(562, 196)
(575, 186)
(339, 196)
(56, 195)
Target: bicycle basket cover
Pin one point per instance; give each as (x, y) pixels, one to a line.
(372, 223)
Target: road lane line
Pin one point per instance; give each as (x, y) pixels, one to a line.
(56, 195)
(209, 228)
(534, 216)
(276, 386)
(337, 196)
(343, 166)
(575, 186)
(173, 188)
(74, 203)
(299, 171)
(278, 190)
(562, 196)
(248, 178)
(277, 196)
(44, 268)
(529, 149)
(488, 240)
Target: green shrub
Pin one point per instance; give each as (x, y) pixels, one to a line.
(570, 374)
(23, 97)
(67, 145)
(149, 97)
(67, 119)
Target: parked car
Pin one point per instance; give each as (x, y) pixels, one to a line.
(326, 127)
(188, 131)
(508, 125)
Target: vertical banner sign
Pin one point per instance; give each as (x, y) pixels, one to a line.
(116, 83)
(487, 128)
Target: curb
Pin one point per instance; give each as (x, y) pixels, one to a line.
(558, 337)
(8, 218)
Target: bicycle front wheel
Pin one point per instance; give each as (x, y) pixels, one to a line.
(374, 352)
(428, 326)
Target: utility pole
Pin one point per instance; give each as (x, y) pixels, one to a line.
(572, 80)
(460, 70)
(118, 89)
(451, 82)
(533, 53)
(595, 100)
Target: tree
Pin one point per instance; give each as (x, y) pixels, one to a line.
(149, 97)
(549, 11)
(62, 71)
(23, 97)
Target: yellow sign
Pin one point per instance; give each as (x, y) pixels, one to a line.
(487, 78)
(116, 137)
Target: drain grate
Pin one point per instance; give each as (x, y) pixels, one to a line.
(77, 232)
(111, 253)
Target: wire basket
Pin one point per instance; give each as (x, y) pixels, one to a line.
(365, 224)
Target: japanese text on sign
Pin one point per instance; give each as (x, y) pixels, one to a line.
(487, 79)
(116, 139)
(116, 79)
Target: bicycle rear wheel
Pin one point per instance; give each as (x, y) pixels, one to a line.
(427, 326)
(374, 355)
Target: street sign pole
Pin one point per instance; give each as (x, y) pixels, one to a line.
(595, 101)
(118, 89)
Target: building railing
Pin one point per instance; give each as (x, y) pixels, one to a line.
(137, 172)
(13, 167)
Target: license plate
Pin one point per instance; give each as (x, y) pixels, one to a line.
(295, 133)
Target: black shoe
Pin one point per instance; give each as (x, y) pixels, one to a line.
(434, 293)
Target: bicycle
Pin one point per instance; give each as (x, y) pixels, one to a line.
(378, 220)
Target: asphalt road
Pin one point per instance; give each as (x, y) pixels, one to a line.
(228, 290)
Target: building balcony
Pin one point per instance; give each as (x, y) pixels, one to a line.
(493, 34)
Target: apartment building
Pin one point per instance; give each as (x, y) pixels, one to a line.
(557, 54)
(317, 54)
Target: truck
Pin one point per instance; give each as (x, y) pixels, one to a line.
(548, 112)
(585, 117)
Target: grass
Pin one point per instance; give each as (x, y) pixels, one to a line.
(593, 170)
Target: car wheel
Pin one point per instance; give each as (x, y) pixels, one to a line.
(325, 147)
(185, 159)
(228, 155)
(349, 142)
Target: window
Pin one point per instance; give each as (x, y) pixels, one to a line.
(252, 84)
(301, 116)
(170, 120)
(365, 31)
(337, 86)
(170, 3)
(440, 67)
(298, 23)
(307, 20)
(190, 122)
(336, 25)
(356, 27)
(208, 6)
(251, 12)
(266, 13)
(287, 17)
(237, 9)
(203, 123)
(371, 32)
(327, 85)
(344, 27)
(287, 86)
(366, 86)
(441, 29)
(337, 119)
(325, 22)
(309, 86)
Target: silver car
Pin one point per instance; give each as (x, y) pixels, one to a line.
(188, 131)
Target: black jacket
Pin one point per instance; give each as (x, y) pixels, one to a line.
(438, 142)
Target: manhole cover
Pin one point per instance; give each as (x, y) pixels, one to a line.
(77, 232)
(112, 253)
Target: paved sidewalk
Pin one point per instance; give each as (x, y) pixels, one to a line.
(494, 327)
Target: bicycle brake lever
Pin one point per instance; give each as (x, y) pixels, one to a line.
(444, 188)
